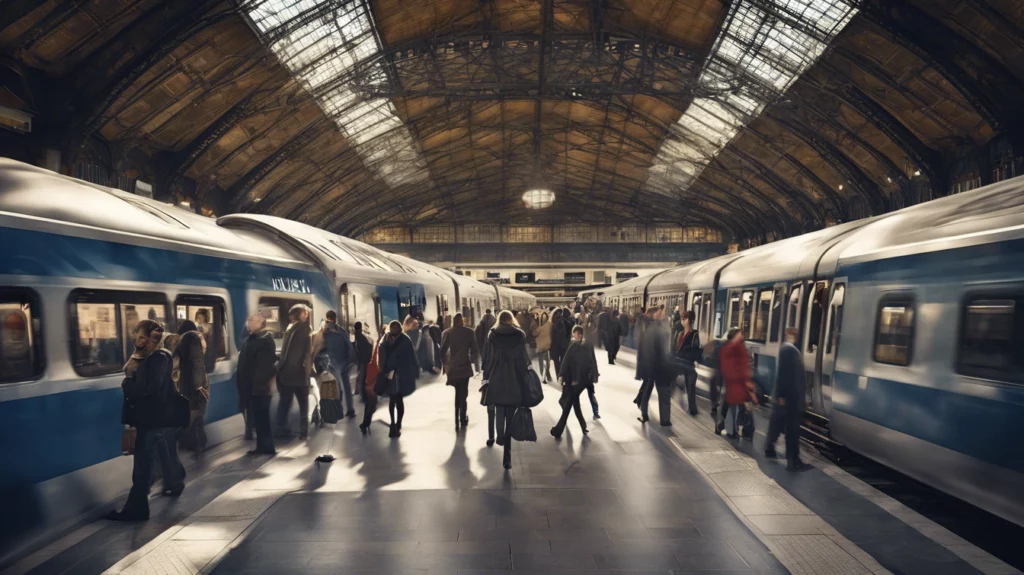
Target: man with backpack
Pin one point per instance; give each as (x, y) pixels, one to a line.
(154, 408)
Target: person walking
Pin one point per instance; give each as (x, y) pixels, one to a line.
(603, 320)
(419, 336)
(369, 393)
(484, 328)
(613, 335)
(788, 403)
(436, 331)
(459, 353)
(688, 354)
(397, 358)
(364, 354)
(255, 379)
(542, 338)
(506, 362)
(293, 370)
(558, 346)
(623, 324)
(339, 349)
(148, 395)
(655, 366)
(579, 372)
(190, 356)
(734, 362)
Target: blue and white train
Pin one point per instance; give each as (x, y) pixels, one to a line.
(82, 264)
(912, 329)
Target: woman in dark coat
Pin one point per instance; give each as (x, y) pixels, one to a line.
(612, 335)
(579, 371)
(397, 359)
(506, 362)
(459, 353)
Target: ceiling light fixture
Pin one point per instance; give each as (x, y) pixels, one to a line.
(917, 172)
(840, 187)
(538, 198)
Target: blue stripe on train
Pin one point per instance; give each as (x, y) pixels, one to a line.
(978, 427)
(52, 435)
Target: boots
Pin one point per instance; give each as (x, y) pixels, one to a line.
(395, 431)
(506, 461)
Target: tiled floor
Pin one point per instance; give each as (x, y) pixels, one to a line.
(624, 499)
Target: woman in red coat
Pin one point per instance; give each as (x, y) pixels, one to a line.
(734, 363)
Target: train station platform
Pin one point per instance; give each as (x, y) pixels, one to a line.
(624, 499)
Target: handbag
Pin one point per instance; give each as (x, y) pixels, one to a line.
(128, 441)
(522, 425)
(483, 393)
(330, 410)
(532, 390)
(180, 412)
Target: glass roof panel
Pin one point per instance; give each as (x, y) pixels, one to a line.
(764, 46)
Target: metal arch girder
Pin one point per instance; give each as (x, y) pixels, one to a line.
(807, 208)
(935, 44)
(238, 190)
(329, 171)
(929, 161)
(773, 208)
(840, 162)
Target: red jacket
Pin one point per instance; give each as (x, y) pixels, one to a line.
(734, 363)
(371, 374)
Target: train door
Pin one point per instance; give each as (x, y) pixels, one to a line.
(360, 303)
(817, 302)
(831, 339)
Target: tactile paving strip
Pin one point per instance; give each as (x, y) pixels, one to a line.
(166, 559)
(813, 555)
(743, 483)
(782, 504)
(719, 461)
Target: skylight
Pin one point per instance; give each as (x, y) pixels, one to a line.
(764, 46)
(326, 44)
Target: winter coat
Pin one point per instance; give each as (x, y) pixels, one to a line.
(603, 321)
(688, 347)
(525, 320)
(423, 346)
(483, 329)
(611, 337)
(338, 345)
(256, 368)
(364, 349)
(459, 352)
(193, 382)
(579, 366)
(400, 357)
(624, 324)
(542, 336)
(505, 364)
(296, 361)
(654, 359)
(789, 377)
(148, 389)
(558, 337)
(734, 363)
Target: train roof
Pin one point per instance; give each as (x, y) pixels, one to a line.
(986, 215)
(469, 287)
(35, 198)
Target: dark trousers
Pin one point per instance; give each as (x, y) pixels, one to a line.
(360, 380)
(193, 437)
(689, 377)
(784, 421)
(716, 393)
(370, 406)
(341, 376)
(301, 394)
(461, 386)
(259, 412)
(250, 423)
(664, 401)
(593, 399)
(396, 403)
(613, 349)
(556, 356)
(159, 444)
(571, 399)
(499, 417)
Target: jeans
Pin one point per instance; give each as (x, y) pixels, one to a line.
(664, 399)
(301, 394)
(341, 376)
(259, 412)
(782, 421)
(593, 399)
(461, 386)
(150, 443)
(498, 416)
(544, 365)
(572, 401)
(689, 375)
(731, 414)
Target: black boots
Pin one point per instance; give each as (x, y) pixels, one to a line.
(506, 461)
(395, 431)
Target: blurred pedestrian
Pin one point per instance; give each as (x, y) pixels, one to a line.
(459, 353)
(506, 362)
(656, 366)
(397, 359)
(364, 354)
(542, 337)
(734, 362)
(254, 377)
(294, 369)
(193, 383)
(788, 403)
(688, 354)
(612, 335)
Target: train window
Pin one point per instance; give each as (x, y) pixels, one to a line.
(706, 314)
(735, 307)
(209, 316)
(793, 310)
(764, 308)
(695, 307)
(103, 324)
(894, 331)
(275, 309)
(991, 337)
(817, 312)
(747, 313)
(776, 314)
(21, 342)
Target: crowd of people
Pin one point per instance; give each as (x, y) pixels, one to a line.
(166, 389)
